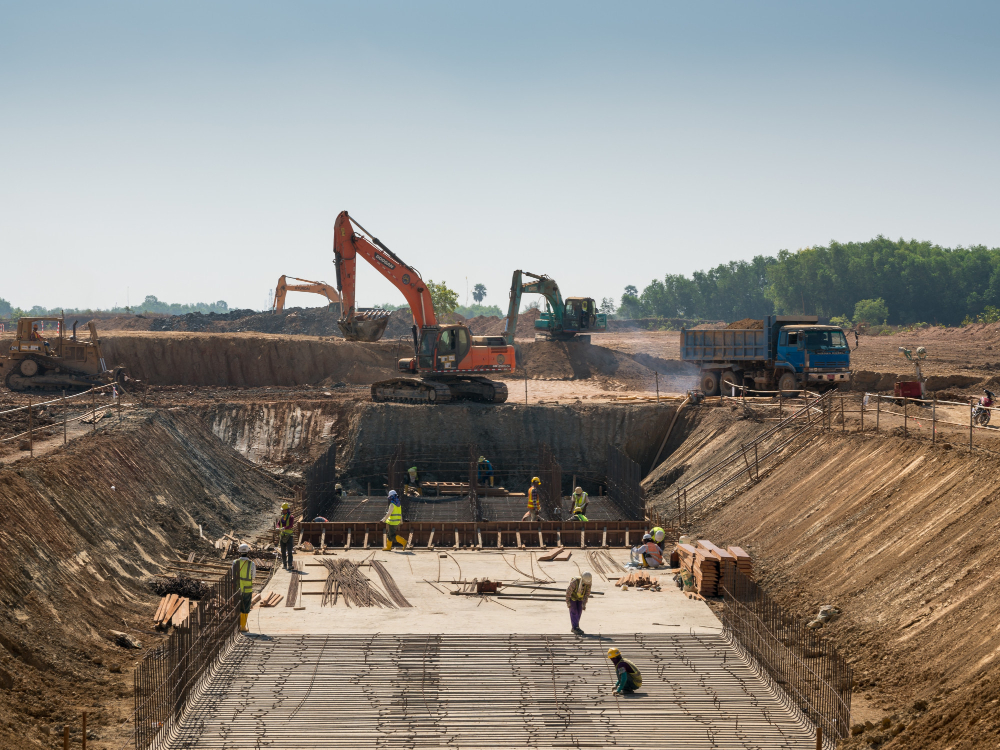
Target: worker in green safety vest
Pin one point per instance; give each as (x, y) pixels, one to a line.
(243, 571)
(392, 519)
(286, 524)
(580, 501)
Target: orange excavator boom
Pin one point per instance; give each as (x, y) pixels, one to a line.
(317, 287)
(369, 325)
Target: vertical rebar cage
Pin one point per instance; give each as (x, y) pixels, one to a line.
(625, 484)
(168, 675)
(805, 665)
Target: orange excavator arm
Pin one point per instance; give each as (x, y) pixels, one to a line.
(317, 287)
(348, 245)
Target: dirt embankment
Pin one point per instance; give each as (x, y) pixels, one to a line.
(901, 535)
(245, 359)
(80, 529)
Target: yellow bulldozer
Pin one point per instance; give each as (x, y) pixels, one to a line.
(36, 360)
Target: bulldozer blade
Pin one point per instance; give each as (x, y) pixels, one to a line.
(363, 329)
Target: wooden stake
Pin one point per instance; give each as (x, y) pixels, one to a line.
(878, 410)
(64, 418)
(84, 730)
(657, 385)
(970, 425)
(819, 738)
(843, 421)
(862, 415)
(65, 738)
(905, 431)
(31, 430)
(934, 421)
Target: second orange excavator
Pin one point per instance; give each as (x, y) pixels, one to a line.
(317, 287)
(449, 363)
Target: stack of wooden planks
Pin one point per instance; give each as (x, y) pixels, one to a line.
(271, 600)
(173, 610)
(709, 564)
(743, 563)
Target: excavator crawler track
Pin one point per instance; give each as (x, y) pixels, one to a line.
(420, 391)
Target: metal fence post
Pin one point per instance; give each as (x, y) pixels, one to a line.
(934, 421)
(970, 425)
(31, 430)
(843, 419)
(905, 431)
(64, 417)
(878, 410)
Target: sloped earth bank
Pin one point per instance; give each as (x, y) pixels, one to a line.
(902, 536)
(80, 529)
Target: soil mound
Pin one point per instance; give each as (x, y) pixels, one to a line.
(309, 321)
(748, 324)
(83, 529)
(246, 359)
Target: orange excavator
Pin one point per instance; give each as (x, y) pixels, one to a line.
(318, 287)
(449, 363)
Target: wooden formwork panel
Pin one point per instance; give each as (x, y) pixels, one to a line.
(466, 534)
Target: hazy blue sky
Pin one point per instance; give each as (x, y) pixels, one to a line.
(196, 151)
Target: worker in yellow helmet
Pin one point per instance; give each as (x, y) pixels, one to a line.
(629, 676)
(286, 535)
(534, 500)
(580, 502)
(244, 570)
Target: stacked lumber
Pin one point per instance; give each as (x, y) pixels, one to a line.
(727, 561)
(547, 557)
(173, 611)
(743, 563)
(639, 579)
(703, 566)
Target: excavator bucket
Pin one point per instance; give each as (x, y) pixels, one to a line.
(366, 325)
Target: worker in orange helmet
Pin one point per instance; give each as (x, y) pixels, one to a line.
(534, 500)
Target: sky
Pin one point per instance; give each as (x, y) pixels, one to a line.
(197, 151)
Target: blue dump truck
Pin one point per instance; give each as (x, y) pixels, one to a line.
(786, 353)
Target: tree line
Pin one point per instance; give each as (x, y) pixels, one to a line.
(149, 305)
(916, 282)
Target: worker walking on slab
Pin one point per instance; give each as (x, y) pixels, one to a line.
(629, 676)
(485, 472)
(577, 594)
(244, 570)
(286, 525)
(580, 501)
(392, 519)
(534, 500)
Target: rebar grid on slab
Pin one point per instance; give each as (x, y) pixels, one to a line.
(486, 691)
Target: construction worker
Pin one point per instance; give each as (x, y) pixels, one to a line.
(577, 594)
(648, 554)
(534, 500)
(658, 536)
(485, 471)
(340, 491)
(392, 519)
(412, 474)
(244, 570)
(629, 676)
(577, 517)
(286, 539)
(580, 501)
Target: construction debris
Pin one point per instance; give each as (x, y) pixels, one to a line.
(180, 585)
(173, 610)
(346, 578)
(123, 639)
(271, 600)
(639, 579)
(549, 556)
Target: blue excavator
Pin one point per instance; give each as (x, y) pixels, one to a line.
(572, 319)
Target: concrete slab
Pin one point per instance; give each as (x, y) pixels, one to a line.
(423, 577)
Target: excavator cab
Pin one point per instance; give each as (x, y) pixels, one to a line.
(441, 349)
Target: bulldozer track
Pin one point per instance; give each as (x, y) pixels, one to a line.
(46, 367)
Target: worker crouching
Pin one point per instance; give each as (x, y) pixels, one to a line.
(244, 571)
(628, 674)
(648, 554)
(393, 518)
(577, 595)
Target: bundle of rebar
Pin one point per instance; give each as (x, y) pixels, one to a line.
(390, 585)
(346, 578)
(602, 561)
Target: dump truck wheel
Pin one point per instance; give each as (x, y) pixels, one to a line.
(787, 382)
(728, 380)
(710, 383)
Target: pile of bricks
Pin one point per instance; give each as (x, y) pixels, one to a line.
(709, 564)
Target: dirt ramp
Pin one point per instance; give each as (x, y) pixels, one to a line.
(902, 536)
(80, 528)
(245, 359)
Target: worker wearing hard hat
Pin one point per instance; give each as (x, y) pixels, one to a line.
(286, 535)
(340, 491)
(393, 518)
(244, 570)
(485, 472)
(534, 500)
(658, 535)
(580, 501)
(629, 676)
(648, 554)
(577, 594)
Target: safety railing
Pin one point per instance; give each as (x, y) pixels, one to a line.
(807, 667)
(169, 674)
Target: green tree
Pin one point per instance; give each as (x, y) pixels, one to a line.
(479, 293)
(5, 309)
(445, 300)
(871, 311)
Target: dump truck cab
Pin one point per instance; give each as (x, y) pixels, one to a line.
(40, 359)
(815, 347)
